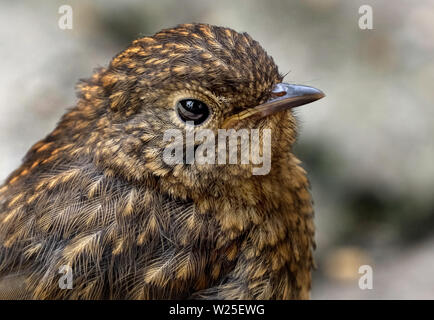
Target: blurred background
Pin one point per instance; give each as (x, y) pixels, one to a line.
(368, 146)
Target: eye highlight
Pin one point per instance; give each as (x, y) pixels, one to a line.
(192, 110)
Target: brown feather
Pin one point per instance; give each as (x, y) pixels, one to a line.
(95, 194)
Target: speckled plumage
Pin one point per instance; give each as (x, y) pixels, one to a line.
(96, 195)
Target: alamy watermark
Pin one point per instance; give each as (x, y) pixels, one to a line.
(366, 19)
(65, 281)
(65, 20)
(199, 147)
(366, 281)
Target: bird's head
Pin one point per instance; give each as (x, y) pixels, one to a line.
(189, 79)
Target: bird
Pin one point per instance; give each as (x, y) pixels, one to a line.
(95, 195)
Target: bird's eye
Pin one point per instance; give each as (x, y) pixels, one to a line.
(192, 110)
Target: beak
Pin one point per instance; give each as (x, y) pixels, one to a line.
(283, 97)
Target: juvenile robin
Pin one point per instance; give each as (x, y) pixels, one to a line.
(96, 200)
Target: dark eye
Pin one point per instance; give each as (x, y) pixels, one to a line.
(192, 110)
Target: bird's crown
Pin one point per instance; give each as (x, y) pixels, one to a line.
(229, 64)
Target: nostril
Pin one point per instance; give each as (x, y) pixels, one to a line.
(279, 90)
(278, 94)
